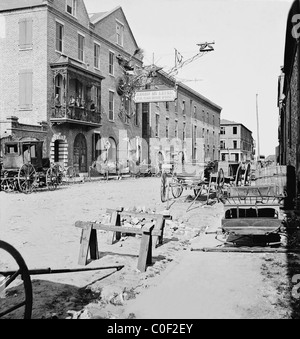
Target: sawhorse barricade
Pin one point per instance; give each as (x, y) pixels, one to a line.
(151, 232)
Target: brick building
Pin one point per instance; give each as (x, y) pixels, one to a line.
(59, 76)
(185, 129)
(236, 142)
(289, 103)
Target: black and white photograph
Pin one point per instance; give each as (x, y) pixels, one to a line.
(149, 162)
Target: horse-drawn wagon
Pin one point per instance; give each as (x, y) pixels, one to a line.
(23, 167)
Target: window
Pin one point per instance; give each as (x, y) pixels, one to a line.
(167, 127)
(183, 107)
(96, 56)
(136, 117)
(111, 63)
(58, 87)
(80, 47)
(156, 125)
(120, 33)
(25, 34)
(71, 7)
(222, 130)
(25, 89)
(111, 106)
(184, 131)
(234, 144)
(176, 106)
(195, 112)
(176, 129)
(59, 36)
(223, 157)
(234, 130)
(167, 106)
(222, 144)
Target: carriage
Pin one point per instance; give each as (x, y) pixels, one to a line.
(23, 168)
(206, 179)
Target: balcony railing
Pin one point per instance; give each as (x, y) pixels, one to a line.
(75, 115)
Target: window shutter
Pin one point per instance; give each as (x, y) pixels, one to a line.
(25, 89)
(25, 33)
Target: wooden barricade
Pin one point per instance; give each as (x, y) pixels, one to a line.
(151, 232)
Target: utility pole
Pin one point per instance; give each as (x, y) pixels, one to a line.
(257, 121)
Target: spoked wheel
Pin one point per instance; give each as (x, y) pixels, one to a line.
(220, 184)
(238, 176)
(247, 175)
(15, 286)
(177, 189)
(26, 178)
(52, 177)
(163, 187)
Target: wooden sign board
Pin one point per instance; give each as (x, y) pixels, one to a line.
(159, 95)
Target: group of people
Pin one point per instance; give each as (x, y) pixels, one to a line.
(78, 102)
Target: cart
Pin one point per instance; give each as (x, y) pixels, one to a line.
(23, 168)
(252, 215)
(201, 178)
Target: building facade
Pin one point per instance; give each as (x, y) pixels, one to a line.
(59, 78)
(236, 142)
(186, 129)
(289, 105)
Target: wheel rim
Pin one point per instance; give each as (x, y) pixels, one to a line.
(26, 178)
(14, 299)
(247, 177)
(163, 186)
(220, 183)
(52, 178)
(176, 190)
(238, 175)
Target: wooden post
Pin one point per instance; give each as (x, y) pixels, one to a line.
(94, 252)
(145, 255)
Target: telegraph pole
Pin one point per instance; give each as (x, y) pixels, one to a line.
(257, 121)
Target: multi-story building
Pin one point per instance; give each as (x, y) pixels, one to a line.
(184, 129)
(59, 76)
(289, 105)
(236, 142)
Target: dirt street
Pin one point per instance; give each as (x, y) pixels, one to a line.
(182, 282)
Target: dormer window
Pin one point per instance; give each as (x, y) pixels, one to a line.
(71, 7)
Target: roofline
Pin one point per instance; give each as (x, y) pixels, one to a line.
(22, 8)
(187, 88)
(112, 11)
(235, 123)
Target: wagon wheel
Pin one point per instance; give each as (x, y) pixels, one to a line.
(176, 190)
(15, 295)
(238, 175)
(220, 183)
(247, 175)
(52, 178)
(163, 187)
(26, 178)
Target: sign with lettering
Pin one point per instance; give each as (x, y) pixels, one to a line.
(159, 95)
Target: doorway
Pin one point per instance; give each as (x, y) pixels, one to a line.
(80, 154)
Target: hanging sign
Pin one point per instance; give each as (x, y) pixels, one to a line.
(159, 95)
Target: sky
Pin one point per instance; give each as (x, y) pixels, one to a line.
(240, 75)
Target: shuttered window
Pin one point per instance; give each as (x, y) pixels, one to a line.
(25, 89)
(111, 106)
(25, 33)
(80, 47)
(59, 37)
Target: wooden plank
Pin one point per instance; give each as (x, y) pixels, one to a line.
(113, 228)
(159, 226)
(251, 222)
(247, 249)
(94, 252)
(145, 254)
(250, 230)
(84, 247)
